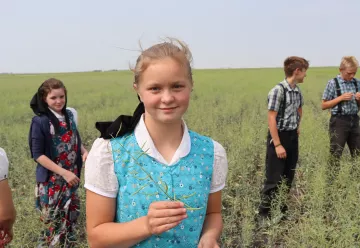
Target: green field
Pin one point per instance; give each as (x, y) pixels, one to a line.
(228, 105)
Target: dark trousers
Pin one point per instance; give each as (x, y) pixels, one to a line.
(343, 129)
(279, 169)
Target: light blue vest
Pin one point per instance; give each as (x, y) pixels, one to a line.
(143, 180)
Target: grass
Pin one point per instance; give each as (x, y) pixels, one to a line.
(228, 105)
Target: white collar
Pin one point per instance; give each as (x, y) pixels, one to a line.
(60, 117)
(147, 145)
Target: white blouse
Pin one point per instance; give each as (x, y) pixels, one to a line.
(62, 118)
(100, 176)
(4, 165)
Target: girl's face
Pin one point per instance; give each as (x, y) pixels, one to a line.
(165, 90)
(56, 100)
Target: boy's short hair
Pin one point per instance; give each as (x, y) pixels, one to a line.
(294, 62)
(349, 62)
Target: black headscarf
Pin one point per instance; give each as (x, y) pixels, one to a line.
(40, 107)
(122, 125)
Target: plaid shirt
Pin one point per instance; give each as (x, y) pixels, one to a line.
(348, 107)
(294, 101)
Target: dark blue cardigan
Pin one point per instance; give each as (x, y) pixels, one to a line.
(40, 143)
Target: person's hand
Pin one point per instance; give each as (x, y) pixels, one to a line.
(207, 242)
(280, 152)
(70, 178)
(84, 155)
(6, 235)
(357, 96)
(347, 96)
(164, 215)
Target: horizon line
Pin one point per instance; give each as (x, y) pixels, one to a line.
(124, 70)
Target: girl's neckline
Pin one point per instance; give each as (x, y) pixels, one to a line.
(56, 113)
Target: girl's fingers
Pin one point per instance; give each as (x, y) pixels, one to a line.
(168, 220)
(164, 228)
(168, 212)
(166, 205)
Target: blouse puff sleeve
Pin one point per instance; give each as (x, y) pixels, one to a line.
(4, 165)
(100, 176)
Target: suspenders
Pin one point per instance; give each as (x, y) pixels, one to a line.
(282, 114)
(338, 92)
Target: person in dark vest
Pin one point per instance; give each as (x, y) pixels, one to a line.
(285, 102)
(342, 97)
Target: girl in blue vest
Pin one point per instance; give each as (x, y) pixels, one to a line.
(55, 145)
(151, 182)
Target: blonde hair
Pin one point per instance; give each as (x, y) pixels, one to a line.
(170, 48)
(349, 62)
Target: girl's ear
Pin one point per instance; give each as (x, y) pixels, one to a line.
(135, 86)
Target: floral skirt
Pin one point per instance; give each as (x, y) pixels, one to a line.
(59, 207)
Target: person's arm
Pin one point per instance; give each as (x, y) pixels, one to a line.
(104, 233)
(100, 226)
(330, 100)
(275, 97)
(7, 213)
(213, 223)
(7, 210)
(327, 104)
(84, 153)
(273, 127)
(70, 177)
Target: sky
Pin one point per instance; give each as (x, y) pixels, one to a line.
(81, 35)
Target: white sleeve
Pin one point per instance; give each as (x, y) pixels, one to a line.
(220, 168)
(4, 165)
(74, 112)
(99, 173)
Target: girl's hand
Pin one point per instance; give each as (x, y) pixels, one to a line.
(208, 243)
(164, 215)
(6, 235)
(84, 155)
(70, 178)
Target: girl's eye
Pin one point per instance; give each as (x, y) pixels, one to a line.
(154, 89)
(178, 86)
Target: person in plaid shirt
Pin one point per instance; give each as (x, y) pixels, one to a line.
(341, 96)
(285, 103)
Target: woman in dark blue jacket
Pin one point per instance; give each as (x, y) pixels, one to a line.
(55, 144)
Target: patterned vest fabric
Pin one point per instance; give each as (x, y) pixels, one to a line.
(65, 144)
(143, 180)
